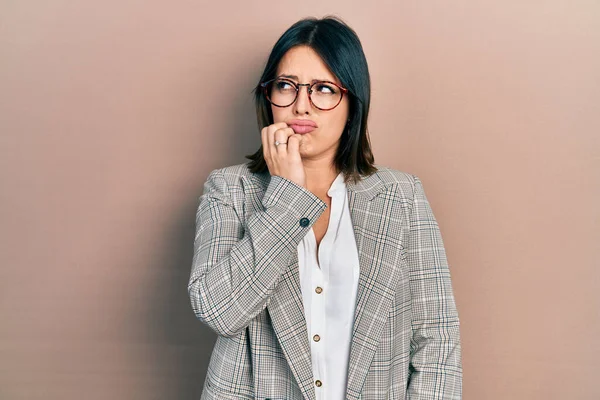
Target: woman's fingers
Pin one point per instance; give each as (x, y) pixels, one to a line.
(264, 142)
(281, 136)
(267, 139)
(293, 145)
(284, 159)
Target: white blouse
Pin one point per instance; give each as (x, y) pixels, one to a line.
(329, 282)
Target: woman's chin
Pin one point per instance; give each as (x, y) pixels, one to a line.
(305, 151)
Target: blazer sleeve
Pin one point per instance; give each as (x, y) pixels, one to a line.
(236, 265)
(435, 351)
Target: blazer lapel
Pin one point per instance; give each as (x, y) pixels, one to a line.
(286, 310)
(376, 281)
(374, 297)
(287, 316)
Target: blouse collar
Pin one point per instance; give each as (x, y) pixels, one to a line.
(338, 185)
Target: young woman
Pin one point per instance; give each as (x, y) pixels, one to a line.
(324, 275)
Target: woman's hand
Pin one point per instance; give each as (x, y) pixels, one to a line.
(283, 160)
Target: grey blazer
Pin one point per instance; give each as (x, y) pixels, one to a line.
(244, 284)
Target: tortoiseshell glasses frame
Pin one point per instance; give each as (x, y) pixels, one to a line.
(310, 86)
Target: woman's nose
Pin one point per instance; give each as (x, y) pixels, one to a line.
(302, 104)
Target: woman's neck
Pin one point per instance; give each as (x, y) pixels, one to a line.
(320, 177)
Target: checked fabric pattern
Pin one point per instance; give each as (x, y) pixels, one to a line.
(244, 285)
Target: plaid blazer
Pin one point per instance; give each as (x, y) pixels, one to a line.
(244, 284)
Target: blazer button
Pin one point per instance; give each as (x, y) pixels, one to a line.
(304, 222)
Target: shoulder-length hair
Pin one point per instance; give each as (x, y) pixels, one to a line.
(340, 48)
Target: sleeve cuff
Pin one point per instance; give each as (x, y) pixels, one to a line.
(291, 197)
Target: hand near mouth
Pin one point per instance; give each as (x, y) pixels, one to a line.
(284, 159)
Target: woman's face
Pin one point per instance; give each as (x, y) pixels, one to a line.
(302, 64)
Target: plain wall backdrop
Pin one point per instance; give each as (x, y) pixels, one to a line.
(113, 113)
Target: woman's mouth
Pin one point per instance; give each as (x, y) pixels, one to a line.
(302, 126)
(301, 129)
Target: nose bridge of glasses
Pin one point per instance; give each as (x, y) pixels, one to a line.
(308, 87)
(308, 91)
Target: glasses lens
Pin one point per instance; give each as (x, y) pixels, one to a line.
(281, 92)
(325, 95)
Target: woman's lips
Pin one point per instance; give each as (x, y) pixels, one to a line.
(302, 128)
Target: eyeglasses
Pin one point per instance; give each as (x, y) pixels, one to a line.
(324, 95)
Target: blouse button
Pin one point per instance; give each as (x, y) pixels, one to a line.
(318, 383)
(318, 289)
(316, 338)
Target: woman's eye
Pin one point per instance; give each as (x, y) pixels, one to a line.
(325, 89)
(283, 85)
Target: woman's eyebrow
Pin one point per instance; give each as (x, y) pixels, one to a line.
(294, 77)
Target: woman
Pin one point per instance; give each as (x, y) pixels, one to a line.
(324, 276)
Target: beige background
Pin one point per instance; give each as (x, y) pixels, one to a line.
(112, 114)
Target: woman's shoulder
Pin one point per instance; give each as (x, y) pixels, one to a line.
(390, 175)
(240, 174)
(235, 174)
(236, 170)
